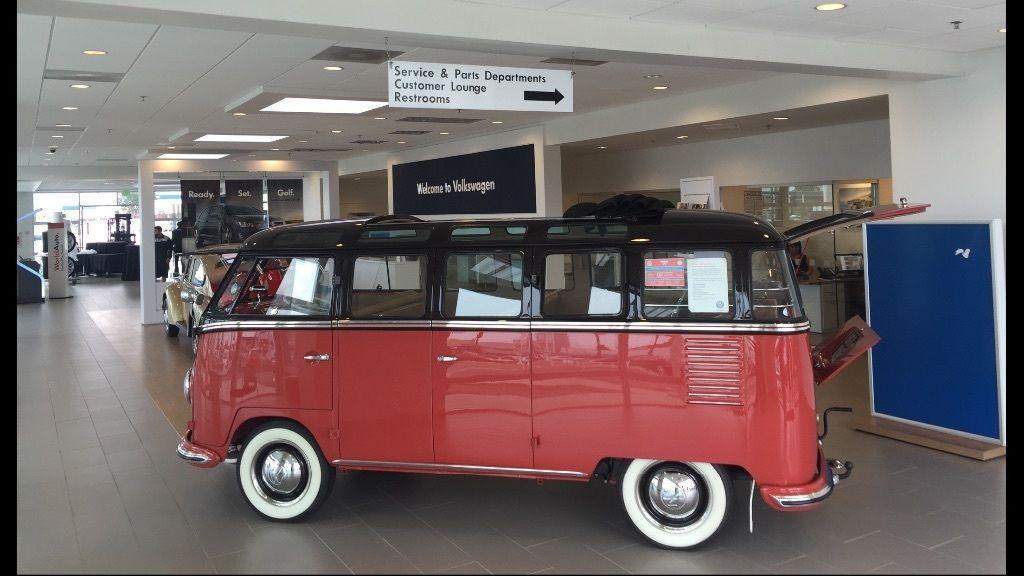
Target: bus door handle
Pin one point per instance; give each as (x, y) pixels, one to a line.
(447, 358)
(316, 357)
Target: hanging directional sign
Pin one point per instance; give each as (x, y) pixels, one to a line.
(456, 86)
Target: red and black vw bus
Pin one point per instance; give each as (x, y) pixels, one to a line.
(665, 354)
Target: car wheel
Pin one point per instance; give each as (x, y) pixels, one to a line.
(170, 328)
(676, 505)
(282, 473)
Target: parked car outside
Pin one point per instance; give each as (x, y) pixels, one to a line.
(187, 296)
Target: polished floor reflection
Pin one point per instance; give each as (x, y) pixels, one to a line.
(101, 490)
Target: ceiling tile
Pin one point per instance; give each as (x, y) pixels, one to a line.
(757, 22)
(826, 29)
(964, 40)
(735, 5)
(123, 42)
(33, 38)
(892, 36)
(919, 17)
(613, 8)
(531, 4)
(689, 14)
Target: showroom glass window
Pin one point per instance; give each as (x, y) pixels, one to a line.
(293, 286)
(582, 284)
(774, 291)
(389, 286)
(688, 285)
(483, 285)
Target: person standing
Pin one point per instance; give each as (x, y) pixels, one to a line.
(162, 250)
(177, 236)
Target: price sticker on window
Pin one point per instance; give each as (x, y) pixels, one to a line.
(665, 272)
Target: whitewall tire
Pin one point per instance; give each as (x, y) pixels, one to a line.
(676, 505)
(282, 473)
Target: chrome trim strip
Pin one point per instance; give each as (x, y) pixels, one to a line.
(186, 454)
(512, 325)
(805, 499)
(643, 326)
(223, 325)
(458, 468)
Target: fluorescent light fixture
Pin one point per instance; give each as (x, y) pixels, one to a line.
(681, 137)
(56, 136)
(323, 105)
(379, 118)
(181, 156)
(496, 122)
(830, 6)
(80, 86)
(661, 87)
(94, 52)
(275, 149)
(601, 147)
(333, 68)
(238, 113)
(238, 138)
(444, 133)
(69, 107)
(303, 141)
(172, 147)
(401, 141)
(780, 117)
(336, 131)
(63, 125)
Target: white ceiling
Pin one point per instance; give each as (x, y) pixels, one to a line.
(183, 80)
(913, 23)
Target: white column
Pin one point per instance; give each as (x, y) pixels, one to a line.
(149, 301)
(331, 195)
(26, 248)
(312, 197)
(552, 167)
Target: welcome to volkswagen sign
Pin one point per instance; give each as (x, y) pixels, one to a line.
(493, 182)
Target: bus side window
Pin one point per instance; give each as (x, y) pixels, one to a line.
(774, 291)
(688, 285)
(388, 287)
(582, 284)
(483, 285)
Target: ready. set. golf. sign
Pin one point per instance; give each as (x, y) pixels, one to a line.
(457, 86)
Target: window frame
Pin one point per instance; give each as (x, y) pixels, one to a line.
(795, 286)
(541, 273)
(442, 283)
(239, 257)
(348, 277)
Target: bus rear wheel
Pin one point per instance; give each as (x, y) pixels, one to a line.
(676, 505)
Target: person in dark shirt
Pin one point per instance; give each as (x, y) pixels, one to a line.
(162, 249)
(177, 235)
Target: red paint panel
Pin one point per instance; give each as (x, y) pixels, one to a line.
(481, 401)
(383, 379)
(257, 368)
(625, 395)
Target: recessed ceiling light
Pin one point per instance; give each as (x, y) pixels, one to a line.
(1002, 30)
(601, 147)
(56, 136)
(94, 52)
(652, 76)
(172, 147)
(640, 240)
(275, 149)
(252, 155)
(337, 131)
(80, 86)
(401, 141)
(379, 118)
(444, 133)
(830, 6)
(63, 125)
(238, 113)
(303, 141)
(681, 137)
(323, 105)
(661, 87)
(333, 68)
(182, 156)
(496, 122)
(238, 138)
(780, 117)
(69, 107)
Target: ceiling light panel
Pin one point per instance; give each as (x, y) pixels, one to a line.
(323, 106)
(347, 54)
(239, 138)
(122, 42)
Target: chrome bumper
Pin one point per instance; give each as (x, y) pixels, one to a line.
(196, 455)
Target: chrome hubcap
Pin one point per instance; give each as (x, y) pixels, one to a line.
(281, 472)
(674, 493)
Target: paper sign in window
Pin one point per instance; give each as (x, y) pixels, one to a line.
(709, 285)
(665, 272)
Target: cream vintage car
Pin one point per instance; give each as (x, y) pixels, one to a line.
(187, 296)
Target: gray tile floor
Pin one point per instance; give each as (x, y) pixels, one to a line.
(101, 490)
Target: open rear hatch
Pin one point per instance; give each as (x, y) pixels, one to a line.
(855, 337)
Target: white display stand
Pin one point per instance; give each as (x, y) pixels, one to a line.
(57, 257)
(701, 191)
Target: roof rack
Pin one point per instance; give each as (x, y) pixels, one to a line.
(392, 219)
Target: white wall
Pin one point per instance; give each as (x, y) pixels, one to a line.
(949, 141)
(25, 227)
(843, 152)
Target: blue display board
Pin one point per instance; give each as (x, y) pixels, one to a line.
(930, 298)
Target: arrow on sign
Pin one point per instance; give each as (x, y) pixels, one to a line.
(555, 96)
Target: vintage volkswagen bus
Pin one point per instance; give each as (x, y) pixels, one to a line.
(665, 355)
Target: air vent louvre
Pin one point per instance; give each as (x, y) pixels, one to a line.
(81, 75)
(719, 126)
(411, 132)
(349, 54)
(713, 371)
(439, 120)
(369, 141)
(572, 62)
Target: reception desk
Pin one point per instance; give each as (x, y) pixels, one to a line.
(830, 302)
